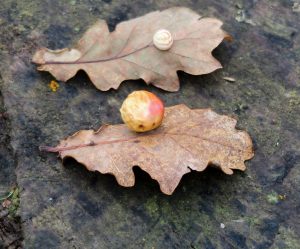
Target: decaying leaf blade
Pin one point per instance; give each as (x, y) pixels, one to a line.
(187, 140)
(129, 53)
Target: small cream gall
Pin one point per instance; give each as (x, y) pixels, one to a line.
(163, 39)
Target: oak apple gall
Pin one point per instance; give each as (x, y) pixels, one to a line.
(142, 111)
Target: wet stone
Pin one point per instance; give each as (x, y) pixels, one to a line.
(69, 207)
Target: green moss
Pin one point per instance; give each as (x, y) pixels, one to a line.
(208, 230)
(152, 207)
(290, 239)
(273, 198)
(15, 202)
(277, 28)
(73, 2)
(252, 221)
(223, 212)
(293, 99)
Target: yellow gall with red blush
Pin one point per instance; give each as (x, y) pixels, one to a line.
(142, 111)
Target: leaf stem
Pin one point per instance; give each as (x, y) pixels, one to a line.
(48, 148)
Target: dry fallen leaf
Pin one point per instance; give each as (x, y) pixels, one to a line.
(187, 140)
(129, 53)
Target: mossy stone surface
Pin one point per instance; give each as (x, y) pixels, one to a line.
(69, 207)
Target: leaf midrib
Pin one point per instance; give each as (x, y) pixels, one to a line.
(60, 149)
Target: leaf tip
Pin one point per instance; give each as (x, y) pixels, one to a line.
(38, 57)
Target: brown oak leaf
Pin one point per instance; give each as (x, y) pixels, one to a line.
(187, 140)
(129, 53)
